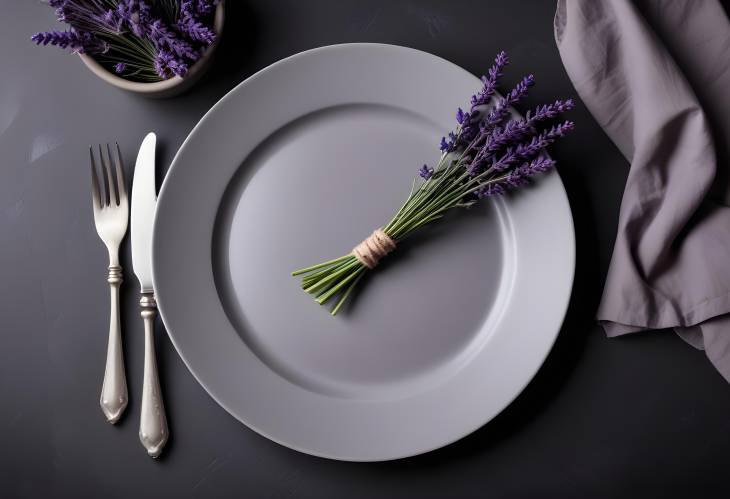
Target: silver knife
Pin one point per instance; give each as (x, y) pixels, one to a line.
(153, 430)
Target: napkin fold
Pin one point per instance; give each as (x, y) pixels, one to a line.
(655, 75)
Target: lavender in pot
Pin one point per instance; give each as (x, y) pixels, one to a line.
(154, 47)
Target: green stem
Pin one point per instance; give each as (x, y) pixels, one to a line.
(321, 274)
(330, 278)
(344, 296)
(320, 265)
(413, 204)
(323, 299)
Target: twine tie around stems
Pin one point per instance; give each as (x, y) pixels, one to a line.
(373, 248)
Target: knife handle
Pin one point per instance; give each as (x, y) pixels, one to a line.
(153, 430)
(113, 398)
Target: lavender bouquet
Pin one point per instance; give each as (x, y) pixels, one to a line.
(487, 155)
(141, 40)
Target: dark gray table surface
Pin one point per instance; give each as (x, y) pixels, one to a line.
(641, 416)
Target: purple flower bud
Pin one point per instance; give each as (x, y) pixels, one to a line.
(493, 189)
(136, 15)
(549, 111)
(110, 20)
(529, 150)
(490, 81)
(501, 110)
(521, 175)
(165, 39)
(198, 7)
(166, 65)
(203, 7)
(76, 41)
(195, 30)
(425, 172)
(120, 67)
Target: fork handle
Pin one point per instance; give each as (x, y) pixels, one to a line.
(153, 431)
(114, 399)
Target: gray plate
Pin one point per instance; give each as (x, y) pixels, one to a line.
(297, 164)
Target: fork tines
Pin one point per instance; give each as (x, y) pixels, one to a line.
(114, 190)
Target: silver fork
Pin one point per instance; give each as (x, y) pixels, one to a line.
(111, 215)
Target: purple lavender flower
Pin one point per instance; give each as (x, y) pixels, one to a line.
(67, 12)
(195, 30)
(166, 65)
(488, 190)
(490, 81)
(124, 11)
(425, 172)
(521, 175)
(204, 7)
(539, 165)
(529, 150)
(62, 39)
(516, 178)
(120, 67)
(500, 111)
(162, 63)
(474, 128)
(515, 131)
(138, 16)
(470, 121)
(80, 14)
(549, 111)
(521, 152)
(165, 39)
(510, 133)
(500, 138)
(190, 17)
(450, 144)
(179, 68)
(144, 13)
(481, 138)
(81, 42)
(110, 20)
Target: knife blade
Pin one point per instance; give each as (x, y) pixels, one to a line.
(144, 202)
(153, 430)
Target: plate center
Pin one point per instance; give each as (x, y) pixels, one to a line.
(311, 192)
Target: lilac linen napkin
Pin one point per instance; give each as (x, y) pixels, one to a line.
(656, 76)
